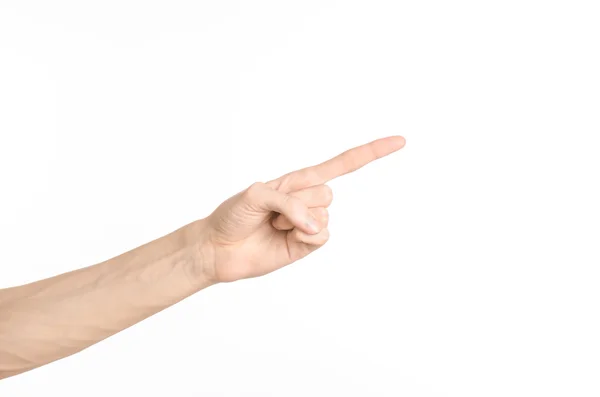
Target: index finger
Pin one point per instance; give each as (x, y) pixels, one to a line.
(345, 163)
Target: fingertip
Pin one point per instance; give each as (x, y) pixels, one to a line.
(399, 141)
(315, 240)
(384, 146)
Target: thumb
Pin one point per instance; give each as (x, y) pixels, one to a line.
(264, 197)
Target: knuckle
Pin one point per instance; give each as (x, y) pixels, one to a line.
(274, 184)
(299, 194)
(254, 190)
(350, 162)
(301, 179)
(288, 201)
(285, 182)
(294, 205)
(256, 186)
(321, 213)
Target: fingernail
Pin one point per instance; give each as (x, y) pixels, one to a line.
(312, 224)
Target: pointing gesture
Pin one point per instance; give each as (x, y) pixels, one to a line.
(259, 230)
(345, 163)
(270, 225)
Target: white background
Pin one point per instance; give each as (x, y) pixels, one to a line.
(465, 265)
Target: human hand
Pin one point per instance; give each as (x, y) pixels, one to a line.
(271, 225)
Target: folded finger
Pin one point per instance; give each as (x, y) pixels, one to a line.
(320, 213)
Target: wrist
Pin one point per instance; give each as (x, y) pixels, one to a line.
(201, 268)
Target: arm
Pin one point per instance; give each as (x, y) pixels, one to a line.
(56, 317)
(257, 231)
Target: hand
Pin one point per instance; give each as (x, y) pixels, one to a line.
(270, 225)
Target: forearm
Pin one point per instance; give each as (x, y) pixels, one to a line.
(50, 319)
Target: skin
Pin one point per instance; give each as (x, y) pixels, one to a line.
(259, 230)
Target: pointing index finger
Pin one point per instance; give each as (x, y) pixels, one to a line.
(345, 163)
(356, 158)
